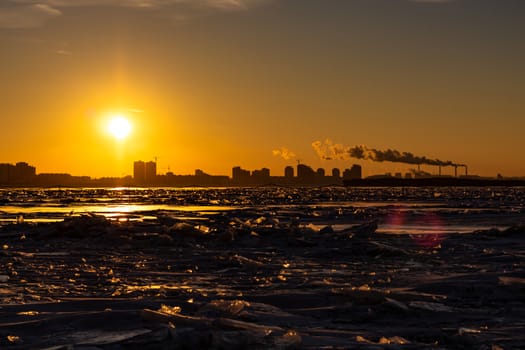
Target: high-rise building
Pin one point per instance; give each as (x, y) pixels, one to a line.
(353, 173)
(356, 171)
(240, 176)
(19, 173)
(144, 172)
(262, 175)
(139, 172)
(150, 169)
(4, 172)
(288, 171)
(24, 171)
(304, 172)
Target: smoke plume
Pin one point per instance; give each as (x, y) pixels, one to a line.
(328, 150)
(284, 153)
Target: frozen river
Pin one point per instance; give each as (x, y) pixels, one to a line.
(396, 210)
(265, 268)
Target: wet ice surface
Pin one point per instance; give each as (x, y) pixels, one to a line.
(398, 210)
(263, 268)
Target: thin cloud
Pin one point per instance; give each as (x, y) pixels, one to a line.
(64, 52)
(34, 13)
(433, 1)
(221, 4)
(27, 16)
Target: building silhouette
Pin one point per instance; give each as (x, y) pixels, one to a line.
(145, 175)
(305, 173)
(23, 171)
(4, 173)
(240, 176)
(19, 173)
(144, 172)
(262, 173)
(289, 172)
(150, 168)
(355, 172)
(139, 172)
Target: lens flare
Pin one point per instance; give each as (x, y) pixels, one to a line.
(433, 238)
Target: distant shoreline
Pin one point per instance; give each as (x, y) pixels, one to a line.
(434, 182)
(367, 182)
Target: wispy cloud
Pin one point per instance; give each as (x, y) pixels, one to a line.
(433, 1)
(63, 52)
(27, 16)
(228, 4)
(34, 13)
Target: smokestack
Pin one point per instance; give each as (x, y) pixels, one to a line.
(440, 170)
(455, 171)
(466, 170)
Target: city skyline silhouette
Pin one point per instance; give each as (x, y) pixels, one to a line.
(145, 174)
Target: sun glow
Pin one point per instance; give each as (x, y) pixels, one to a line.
(119, 127)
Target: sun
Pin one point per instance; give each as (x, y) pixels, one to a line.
(119, 127)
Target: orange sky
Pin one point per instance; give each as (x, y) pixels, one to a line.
(215, 84)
